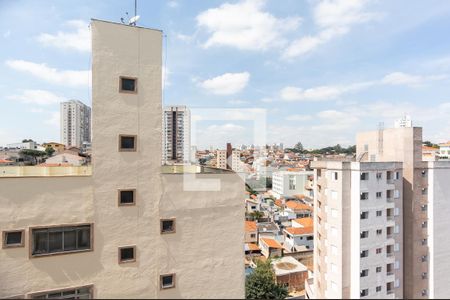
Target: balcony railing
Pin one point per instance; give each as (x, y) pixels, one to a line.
(389, 254)
(390, 199)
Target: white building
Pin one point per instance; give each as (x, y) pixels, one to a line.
(358, 235)
(24, 145)
(75, 123)
(176, 135)
(404, 122)
(287, 184)
(234, 161)
(444, 150)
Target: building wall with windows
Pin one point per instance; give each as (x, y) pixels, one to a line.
(358, 251)
(75, 123)
(286, 183)
(131, 254)
(176, 134)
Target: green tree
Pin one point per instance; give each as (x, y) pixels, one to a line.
(32, 155)
(27, 140)
(298, 147)
(256, 215)
(261, 283)
(49, 151)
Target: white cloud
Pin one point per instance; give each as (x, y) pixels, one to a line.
(237, 102)
(7, 34)
(267, 100)
(334, 18)
(54, 119)
(330, 92)
(226, 84)
(172, 4)
(229, 127)
(52, 75)
(245, 25)
(78, 39)
(299, 118)
(38, 97)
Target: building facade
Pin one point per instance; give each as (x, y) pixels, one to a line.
(404, 144)
(176, 135)
(129, 228)
(75, 123)
(288, 184)
(358, 234)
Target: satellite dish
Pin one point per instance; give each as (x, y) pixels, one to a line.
(133, 20)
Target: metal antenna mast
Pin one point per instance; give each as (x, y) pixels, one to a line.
(135, 7)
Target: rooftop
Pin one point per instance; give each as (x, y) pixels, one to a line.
(287, 265)
(271, 243)
(305, 222)
(250, 226)
(299, 230)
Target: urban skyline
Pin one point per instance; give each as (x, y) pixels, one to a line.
(329, 75)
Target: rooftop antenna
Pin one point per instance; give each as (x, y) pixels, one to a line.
(133, 20)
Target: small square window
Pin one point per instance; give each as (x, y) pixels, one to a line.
(13, 238)
(167, 226)
(127, 197)
(379, 213)
(378, 194)
(379, 231)
(364, 253)
(379, 250)
(379, 269)
(128, 84)
(127, 143)
(167, 281)
(127, 254)
(379, 175)
(378, 289)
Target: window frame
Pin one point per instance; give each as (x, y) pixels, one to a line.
(30, 239)
(42, 293)
(119, 202)
(174, 226)
(134, 149)
(22, 241)
(127, 91)
(162, 287)
(127, 260)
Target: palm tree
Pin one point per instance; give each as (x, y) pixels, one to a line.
(256, 215)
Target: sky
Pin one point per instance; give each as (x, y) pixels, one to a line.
(315, 71)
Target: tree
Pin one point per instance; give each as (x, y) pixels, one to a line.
(27, 140)
(49, 151)
(298, 147)
(256, 215)
(32, 155)
(261, 283)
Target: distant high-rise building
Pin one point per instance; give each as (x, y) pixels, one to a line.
(176, 135)
(405, 121)
(75, 123)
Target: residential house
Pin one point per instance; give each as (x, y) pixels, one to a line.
(270, 247)
(290, 273)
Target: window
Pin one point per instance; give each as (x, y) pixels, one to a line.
(364, 196)
(127, 197)
(65, 239)
(379, 231)
(397, 175)
(335, 176)
(424, 242)
(424, 275)
(424, 258)
(424, 207)
(167, 226)
(128, 85)
(364, 215)
(364, 273)
(167, 281)
(379, 250)
(364, 293)
(424, 191)
(13, 238)
(292, 183)
(252, 235)
(378, 195)
(424, 224)
(364, 253)
(379, 269)
(127, 142)
(364, 176)
(379, 213)
(424, 293)
(84, 292)
(379, 175)
(424, 173)
(378, 288)
(364, 234)
(127, 254)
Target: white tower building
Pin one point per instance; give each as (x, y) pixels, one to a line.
(75, 123)
(176, 135)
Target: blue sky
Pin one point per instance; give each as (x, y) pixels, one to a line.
(321, 70)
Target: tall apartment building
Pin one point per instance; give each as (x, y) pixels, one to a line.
(127, 227)
(425, 202)
(229, 159)
(75, 123)
(358, 224)
(176, 135)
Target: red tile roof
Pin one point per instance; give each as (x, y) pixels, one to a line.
(250, 226)
(299, 231)
(271, 243)
(305, 222)
(252, 247)
(298, 206)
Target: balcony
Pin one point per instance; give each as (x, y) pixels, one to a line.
(390, 254)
